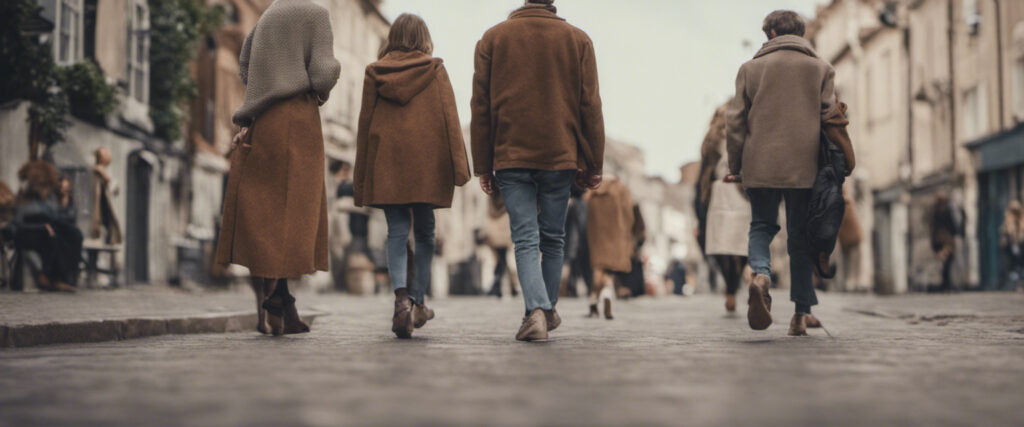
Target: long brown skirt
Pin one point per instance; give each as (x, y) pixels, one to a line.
(275, 206)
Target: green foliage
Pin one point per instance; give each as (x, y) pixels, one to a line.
(28, 72)
(90, 96)
(175, 28)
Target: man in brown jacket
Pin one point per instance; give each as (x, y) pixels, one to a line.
(537, 124)
(774, 126)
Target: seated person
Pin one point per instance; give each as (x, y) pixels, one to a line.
(40, 228)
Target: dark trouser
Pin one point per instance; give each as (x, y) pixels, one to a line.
(947, 271)
(61, 255)
(419, 217)
(764, 205)
(537, 202)
(500, 266)
(731, 268)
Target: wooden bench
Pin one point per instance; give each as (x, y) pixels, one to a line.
(93, 251)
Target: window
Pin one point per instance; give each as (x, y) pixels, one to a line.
(137, 55)
(972, 16)
(68, 47)
(975, 113)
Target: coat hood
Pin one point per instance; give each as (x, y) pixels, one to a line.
(400, 76)
(787, 42)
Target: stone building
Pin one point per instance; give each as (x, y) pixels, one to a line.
(989, 47)
(114, 34)
(928, 81)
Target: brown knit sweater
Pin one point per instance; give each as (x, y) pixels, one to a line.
(289, 52)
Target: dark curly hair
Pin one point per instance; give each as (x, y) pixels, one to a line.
(41, 178)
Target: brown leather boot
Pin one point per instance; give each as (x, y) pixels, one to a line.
(64, 287)
(798, 326)
(535, 327)
(553, 319)
(759, 305)
(608, 309)
(421, 314)
(401, 322)
(730, 303)
(812, 322)
(593, 311)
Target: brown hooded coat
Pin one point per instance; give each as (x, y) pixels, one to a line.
(410, 147)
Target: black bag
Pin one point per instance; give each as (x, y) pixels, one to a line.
(827, 206)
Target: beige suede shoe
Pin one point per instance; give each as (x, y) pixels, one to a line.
(535, 327)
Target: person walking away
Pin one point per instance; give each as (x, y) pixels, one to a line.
(275, 205)
(946, 225)
(1011, 238)
(782, 96)
(610, 220)
(410, 156)
(577, 250)
(498, 237)
(634, 282)
(537, 124)
(728, 211)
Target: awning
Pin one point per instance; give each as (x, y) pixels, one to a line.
(1000, 151)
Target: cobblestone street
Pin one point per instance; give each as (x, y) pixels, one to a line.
(910, 360)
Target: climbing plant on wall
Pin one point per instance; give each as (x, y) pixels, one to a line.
(175, 28)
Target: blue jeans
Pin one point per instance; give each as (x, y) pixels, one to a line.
(764, 205)
(537, 202)
(401, 218)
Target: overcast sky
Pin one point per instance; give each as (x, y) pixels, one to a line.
(664, 65)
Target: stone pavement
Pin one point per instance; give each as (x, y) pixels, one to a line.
(28, 319)
(909, 360)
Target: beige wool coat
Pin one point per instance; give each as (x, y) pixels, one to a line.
(774, 122)
(610, 221)
(536, 102)
(409, 147)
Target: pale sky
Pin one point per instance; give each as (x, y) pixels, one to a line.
(664, 65)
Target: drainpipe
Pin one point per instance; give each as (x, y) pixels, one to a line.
(951, 40)
(999, 64)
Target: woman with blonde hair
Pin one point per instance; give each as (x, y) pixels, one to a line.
(275, 206)
(410, 155)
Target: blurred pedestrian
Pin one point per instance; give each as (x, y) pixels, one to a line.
(498, 237)
(7, 204)
(1011, 237)
(946, 223)
(40, 228)
(410, 156)
(577, 249)
(537, 124)
(775, 119)
(634, 281)
(105, 224)
(610, 220)
(275, 206)
(727, 219)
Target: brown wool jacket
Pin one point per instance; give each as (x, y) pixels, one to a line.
(774, 123)
(536, 102)
(409, 147)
